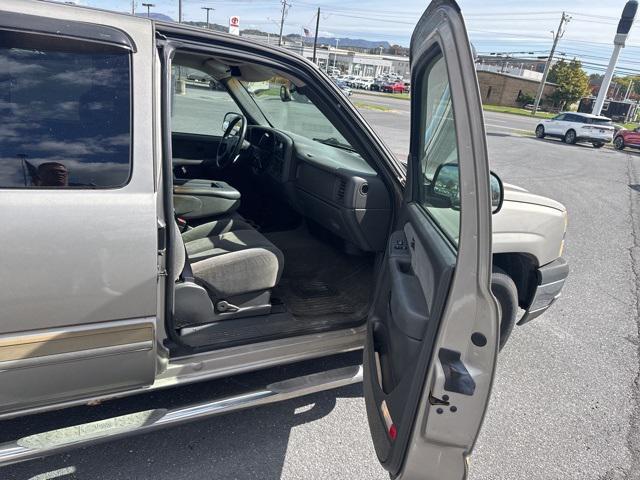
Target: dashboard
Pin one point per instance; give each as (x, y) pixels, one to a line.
(334, 187)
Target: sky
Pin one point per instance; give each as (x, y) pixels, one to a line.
(493, 25)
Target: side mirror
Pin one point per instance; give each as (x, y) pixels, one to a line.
(227, 120)
(285, 93)
(445, 187)
(497, 193)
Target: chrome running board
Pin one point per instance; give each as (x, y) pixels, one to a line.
(55, 441)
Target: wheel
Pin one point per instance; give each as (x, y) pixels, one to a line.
(570, 137)
(506, 293)
(618, 143)
(540, 131)
(598, 144)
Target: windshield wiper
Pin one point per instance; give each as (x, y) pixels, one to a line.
(334, 142)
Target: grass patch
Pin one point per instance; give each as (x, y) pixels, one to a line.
(401, 96)
(517, 111)
(368, 106)
(268, 92)
(630, 125)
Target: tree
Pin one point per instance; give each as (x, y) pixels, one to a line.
(572, 81)
(623, 83)
(525, 99)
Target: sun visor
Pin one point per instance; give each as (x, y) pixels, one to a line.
(247, 72)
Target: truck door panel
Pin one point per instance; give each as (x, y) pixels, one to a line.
(79, 226)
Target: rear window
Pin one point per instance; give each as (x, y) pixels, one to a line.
(66, 113)
(599, 121)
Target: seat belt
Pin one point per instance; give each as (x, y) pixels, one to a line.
(187, 272)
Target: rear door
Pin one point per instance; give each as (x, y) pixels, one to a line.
(78, 287)
(432, 335)
(556, 125)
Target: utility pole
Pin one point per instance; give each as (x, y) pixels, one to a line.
(624, 25)
(133, 7)
(208, 9)
(284, 14)
(335, 54)
(558, 35)
(315, 40)
(148, 5)
(179, 11)
(626, 95)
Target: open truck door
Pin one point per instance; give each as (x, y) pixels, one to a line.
(432, 337)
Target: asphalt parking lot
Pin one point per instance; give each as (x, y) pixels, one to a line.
(565, 402)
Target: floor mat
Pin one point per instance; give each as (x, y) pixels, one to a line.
(319, 279)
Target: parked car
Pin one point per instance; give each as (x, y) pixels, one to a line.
(627, 138)
(135, 266)
(376, 86)
(573, 127)
(366, 83)
(344, 87)
(397, 87)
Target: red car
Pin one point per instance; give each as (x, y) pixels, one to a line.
(397, 87)
(627, 138)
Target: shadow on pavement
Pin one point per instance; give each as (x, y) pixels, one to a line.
(250, 444)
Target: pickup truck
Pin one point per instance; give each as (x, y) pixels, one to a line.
(528, 269)
(157, 233)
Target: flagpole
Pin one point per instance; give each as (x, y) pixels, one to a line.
(315, 40)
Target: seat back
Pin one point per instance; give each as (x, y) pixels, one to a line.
(179, 256)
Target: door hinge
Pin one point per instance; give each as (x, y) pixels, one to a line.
(162, 272)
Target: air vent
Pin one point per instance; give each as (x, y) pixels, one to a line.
(341, 186)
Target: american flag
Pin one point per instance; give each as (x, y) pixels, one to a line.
(306, 32)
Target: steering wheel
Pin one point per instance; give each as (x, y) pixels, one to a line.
(231, 142)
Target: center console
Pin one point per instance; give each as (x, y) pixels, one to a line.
(199, 198)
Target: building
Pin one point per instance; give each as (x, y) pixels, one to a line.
(507, 90)
(618, 111)
(506, 61)
(346, 60)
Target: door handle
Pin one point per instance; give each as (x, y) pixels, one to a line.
(457, 378)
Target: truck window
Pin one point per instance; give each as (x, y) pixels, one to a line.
(199, 102)
(439, 151)
(66, 113)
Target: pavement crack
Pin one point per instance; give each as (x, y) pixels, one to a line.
(633, 436)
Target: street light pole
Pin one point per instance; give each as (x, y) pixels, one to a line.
(179, 11)
(148, 5)
(208, 9)
(335, 54)
(558, 35)
(624, 25)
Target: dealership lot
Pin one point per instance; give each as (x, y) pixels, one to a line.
(565, 401)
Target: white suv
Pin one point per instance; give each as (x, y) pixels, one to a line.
(574, 127)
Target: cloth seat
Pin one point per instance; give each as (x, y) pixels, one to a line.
(216, 227)
(230, 258)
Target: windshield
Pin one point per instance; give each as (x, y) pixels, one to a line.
(292, 111)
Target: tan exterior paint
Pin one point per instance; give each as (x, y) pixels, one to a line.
(53, 343)
(502, 89)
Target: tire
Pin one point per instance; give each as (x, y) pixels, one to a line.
(598, 144)
(506, 293)
(618, 143)
(570, 137)
(540, 131)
